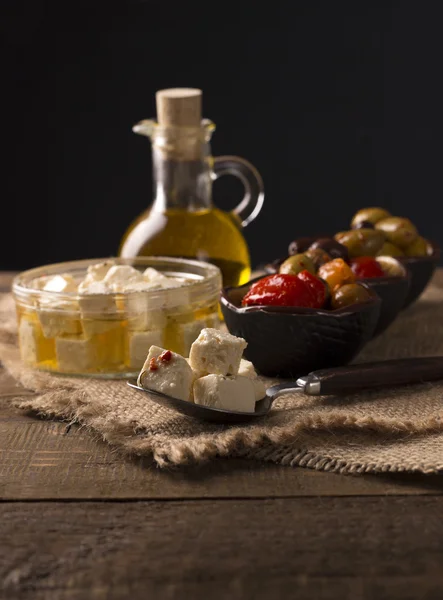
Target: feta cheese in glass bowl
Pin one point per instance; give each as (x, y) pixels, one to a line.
(100, 317)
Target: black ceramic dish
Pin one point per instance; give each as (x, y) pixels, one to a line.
(421, 269)
(291, 341)
(392, 290)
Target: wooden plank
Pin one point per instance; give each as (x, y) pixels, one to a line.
(44, 460)
(302, 548)
(48, 460)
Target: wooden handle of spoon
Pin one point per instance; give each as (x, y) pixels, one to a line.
(373, 375)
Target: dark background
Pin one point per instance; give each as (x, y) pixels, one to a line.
(338, 104)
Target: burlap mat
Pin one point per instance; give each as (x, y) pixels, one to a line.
(390, 430)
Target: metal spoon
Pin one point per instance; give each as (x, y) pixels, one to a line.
(339, 380)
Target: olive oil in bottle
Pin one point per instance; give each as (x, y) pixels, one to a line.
(182, 220)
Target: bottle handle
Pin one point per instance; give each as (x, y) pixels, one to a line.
(253, 199)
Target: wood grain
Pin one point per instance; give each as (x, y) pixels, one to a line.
(43, 460)
(294, 548)
(48, 460)
(95, 525)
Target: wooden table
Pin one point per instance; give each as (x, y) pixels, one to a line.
(78, 521)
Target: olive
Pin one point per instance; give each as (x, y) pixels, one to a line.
(399, 231)
(361, 242)
(318, 256)
(373, 214)
(389, 249)
(418, 248)
(296, 264)
(391, 267)
(336, 273)
(300, 245)
(332, 247)
(363, 225)
(351, 293)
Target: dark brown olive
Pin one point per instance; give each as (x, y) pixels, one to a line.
(351, 293)
(332, 247)
(318, 256)
(363, 225)
(299, 245)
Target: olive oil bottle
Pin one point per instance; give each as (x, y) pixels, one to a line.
(182, 221)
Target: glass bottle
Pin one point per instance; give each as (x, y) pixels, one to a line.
(182, 220)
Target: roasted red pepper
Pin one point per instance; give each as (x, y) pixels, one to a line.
(365, 267)
(317, 287)
(280, 290)
(166, 356)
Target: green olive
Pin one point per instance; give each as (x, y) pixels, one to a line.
(361, 242)
(372, 214)
(420, 247)
(318, 256)
(399, 231)
(351, 293)
(389, 249)
(296, 264)
(391, 267)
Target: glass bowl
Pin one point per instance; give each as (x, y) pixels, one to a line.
(109, 334)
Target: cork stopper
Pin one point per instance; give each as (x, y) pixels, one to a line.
(179, 107)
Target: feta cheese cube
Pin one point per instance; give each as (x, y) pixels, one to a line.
(28, 341)
(39, 282)
(168, 373)
(139, 343)
(216, 352)
(58, 318)
(104, 351)
(144, 310)
(259, 388)
(74, 355)
(230, 393)
(156, 278)
(146, 319)
(60, 283)
(119, 277)
(98, 271)
(96, 303)
(177, 293)
(34, 347)
(95, 298)
(178, 298)
(247, 369)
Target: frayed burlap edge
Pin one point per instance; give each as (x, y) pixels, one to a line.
(278, 446)
(283, 446)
